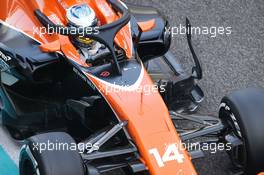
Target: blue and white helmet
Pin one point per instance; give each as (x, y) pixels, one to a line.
(81, 16)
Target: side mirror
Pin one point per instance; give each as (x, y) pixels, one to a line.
(155, 38)
(155, 41)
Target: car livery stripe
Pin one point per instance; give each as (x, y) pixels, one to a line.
(7, 166)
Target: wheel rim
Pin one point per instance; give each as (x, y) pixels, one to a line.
(27, 163)
(238, 154)
(28, 168)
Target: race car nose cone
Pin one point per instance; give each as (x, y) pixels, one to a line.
(81, 16)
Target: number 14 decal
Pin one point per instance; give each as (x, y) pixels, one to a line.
(171, 154)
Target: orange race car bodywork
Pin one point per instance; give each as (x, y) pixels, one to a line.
(149, 122)
(115, 86)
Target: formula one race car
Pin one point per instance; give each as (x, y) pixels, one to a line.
(91, 87)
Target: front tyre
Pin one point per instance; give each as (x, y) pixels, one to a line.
(242, 112)
(50, 161)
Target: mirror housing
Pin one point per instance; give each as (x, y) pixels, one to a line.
(155, 42)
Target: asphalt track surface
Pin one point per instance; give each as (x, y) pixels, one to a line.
(229, 61)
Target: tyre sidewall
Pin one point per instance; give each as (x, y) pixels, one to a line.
(251, 122)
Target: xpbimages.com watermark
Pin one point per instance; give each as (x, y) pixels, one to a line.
(80, 31)
(144, 89)
(213, 148)
(61, 146)
(212, 31)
